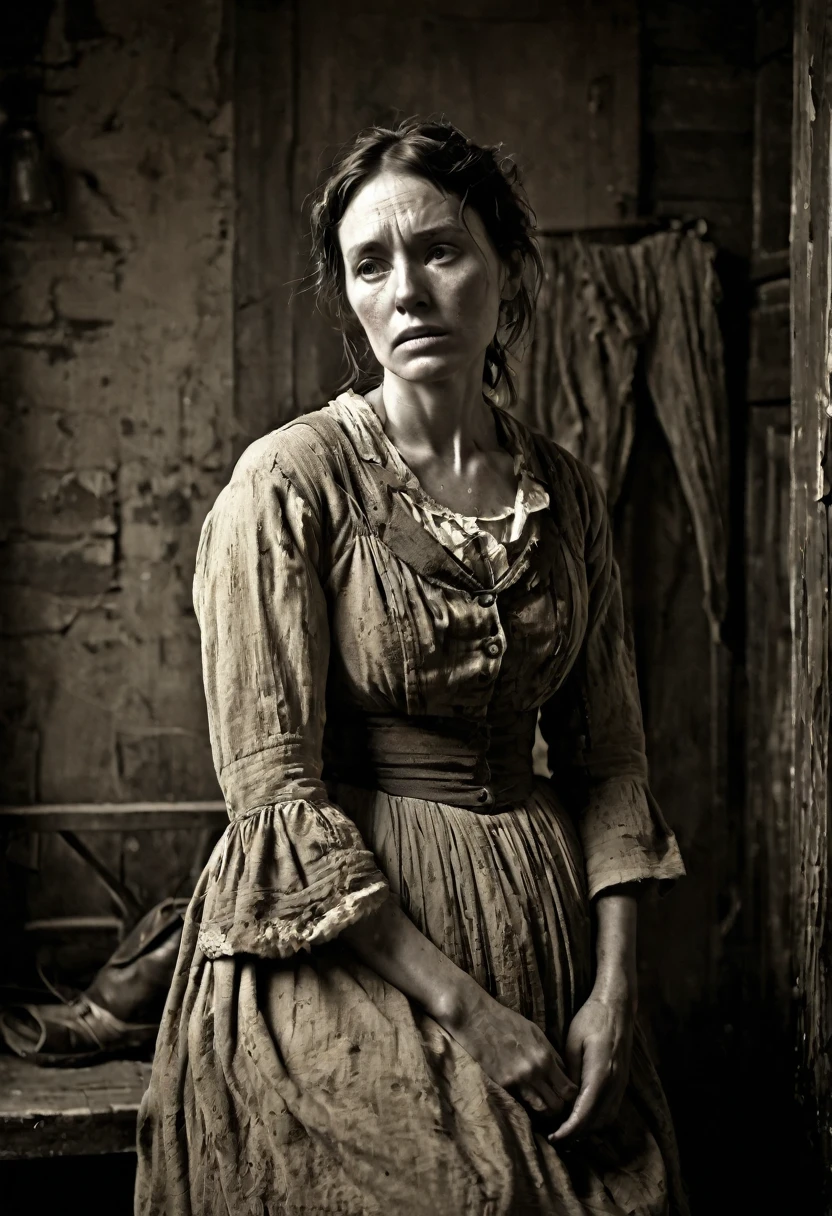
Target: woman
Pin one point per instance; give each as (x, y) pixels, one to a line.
(386, 998)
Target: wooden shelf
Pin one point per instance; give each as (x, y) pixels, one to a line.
(58, 1112)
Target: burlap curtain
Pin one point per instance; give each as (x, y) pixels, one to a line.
(600, 306)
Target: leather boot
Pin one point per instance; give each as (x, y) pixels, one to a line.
(119, 1013)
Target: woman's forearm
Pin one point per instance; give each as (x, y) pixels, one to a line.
(388, 941)
(616, 910)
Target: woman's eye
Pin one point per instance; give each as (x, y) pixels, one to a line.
(439, 253)
(367, 269)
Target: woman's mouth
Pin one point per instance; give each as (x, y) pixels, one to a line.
(419, 339)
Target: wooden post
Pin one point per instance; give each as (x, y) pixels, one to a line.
(810, 560)
(265, 229)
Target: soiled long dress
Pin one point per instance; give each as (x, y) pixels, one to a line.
(374, 667)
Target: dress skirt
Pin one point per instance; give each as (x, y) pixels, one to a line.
(308, 1085)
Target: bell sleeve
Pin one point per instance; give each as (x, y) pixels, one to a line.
(593, 728)
(291, 870)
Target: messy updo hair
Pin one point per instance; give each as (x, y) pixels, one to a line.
(480, 177)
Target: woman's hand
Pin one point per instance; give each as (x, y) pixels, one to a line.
(510, 1049)
(598, 1049)
(513, 1051)
(599, 1041)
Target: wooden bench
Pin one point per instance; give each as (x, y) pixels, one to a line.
(55, 1112)
(51, 1112)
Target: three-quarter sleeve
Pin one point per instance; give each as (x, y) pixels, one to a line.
(292, 870)
(594, 731)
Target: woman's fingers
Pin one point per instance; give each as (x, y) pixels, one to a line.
(547, 1089)
(564, 1087)
(573, 1055)
(555, 1104)
(611, 1103)
(529, 1095)
(587, 1104)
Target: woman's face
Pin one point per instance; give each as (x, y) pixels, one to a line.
(423, 279)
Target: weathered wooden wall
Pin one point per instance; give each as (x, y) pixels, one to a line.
(716, 146)
(698, 93)
(557, 83)
(811, 553)
(768, 721)
(768, 647)
(698, 58)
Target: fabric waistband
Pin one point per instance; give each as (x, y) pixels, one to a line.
(478, 766)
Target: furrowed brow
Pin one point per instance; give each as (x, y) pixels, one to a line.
(365, 247)
(376, 244)
(439, 230)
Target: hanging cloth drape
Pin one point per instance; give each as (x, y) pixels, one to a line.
(600, 306)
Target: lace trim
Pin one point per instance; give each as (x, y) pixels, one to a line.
(281, 937)
(467, 537)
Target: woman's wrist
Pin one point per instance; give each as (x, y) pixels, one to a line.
(616, 985)
(389, 942)
(615, 976)
(454, 1000)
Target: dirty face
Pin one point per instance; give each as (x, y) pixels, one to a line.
(422, 276)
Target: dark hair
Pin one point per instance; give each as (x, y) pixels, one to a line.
(479, 176)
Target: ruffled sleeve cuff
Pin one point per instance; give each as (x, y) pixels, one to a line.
(626, 839)
(287, 877)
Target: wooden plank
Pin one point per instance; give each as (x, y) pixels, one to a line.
(699, 88)
(54, 1112)
(610, 33)
(113, 817)
(266, 231)
(772, 155)
(810, 562)
(773, 265)
(699, 97)
(769, 360)
(769, 739)
(698, 32)
(712, 165)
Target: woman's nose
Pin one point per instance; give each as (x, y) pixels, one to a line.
(411, 288)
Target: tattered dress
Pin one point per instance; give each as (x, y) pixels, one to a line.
(375, 668)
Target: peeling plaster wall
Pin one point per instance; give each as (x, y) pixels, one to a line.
(116, 412)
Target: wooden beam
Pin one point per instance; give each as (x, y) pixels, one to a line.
(113, 816)
(767, 872)
(810, 560)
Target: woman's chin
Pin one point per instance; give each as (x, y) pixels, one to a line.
(424, 368)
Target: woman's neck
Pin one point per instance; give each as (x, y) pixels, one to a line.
(449, 419)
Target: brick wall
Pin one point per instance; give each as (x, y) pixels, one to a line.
(115, 362)
(116, 432)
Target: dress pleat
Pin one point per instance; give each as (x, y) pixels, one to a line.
(309, 1085)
